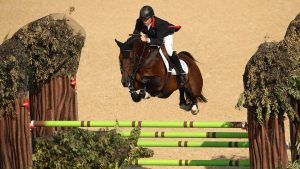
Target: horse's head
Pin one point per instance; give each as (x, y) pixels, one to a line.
(126, 62)
(128, 59)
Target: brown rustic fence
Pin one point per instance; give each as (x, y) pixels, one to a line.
(15, 150)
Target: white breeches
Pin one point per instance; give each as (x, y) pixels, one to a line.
(168, 41)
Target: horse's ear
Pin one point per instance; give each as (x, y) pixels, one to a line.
(120, 44)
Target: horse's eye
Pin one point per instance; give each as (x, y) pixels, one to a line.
(126, 54)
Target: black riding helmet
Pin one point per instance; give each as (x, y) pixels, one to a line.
(146, 12)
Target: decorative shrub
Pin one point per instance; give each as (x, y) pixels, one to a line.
(79, 148)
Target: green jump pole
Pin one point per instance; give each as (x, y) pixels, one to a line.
(154, 124)
(149, 162)
(193, 144)
(163, 134)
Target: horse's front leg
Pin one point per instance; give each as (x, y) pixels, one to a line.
(136, 97)
(144, 82)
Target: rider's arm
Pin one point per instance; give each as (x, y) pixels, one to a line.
(138, 26)
(160, 34)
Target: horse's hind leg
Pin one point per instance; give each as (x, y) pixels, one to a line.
(193, 102)
(194, 106)
(181, 96)
(182, 102)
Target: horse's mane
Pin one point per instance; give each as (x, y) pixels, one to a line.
(187, 54)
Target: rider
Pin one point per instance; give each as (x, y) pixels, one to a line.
(156, 31)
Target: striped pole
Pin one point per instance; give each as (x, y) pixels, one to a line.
(163, 134)
(193, 144)
(149, 162)
(149, 124)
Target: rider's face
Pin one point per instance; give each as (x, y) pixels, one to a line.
(147, 22)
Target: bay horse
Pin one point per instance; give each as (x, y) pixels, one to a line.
(142, 68)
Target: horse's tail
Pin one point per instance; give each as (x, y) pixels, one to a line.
(188, 54)
(201, 98)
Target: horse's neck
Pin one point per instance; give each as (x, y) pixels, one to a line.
(151, 55)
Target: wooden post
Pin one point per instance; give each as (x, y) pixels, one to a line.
(266, 142)
(15, 146)
(53, 100)
(295, 133)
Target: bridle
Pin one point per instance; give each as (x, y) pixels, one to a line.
(137, 65)
(138, 62)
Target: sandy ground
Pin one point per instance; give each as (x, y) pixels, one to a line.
(221, 34)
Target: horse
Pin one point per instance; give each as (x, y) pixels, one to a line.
(142, 68)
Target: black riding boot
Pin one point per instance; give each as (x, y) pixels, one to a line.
(181, 74)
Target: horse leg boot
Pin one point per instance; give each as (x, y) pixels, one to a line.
(182, 102)
(144, 82)
(181, 74)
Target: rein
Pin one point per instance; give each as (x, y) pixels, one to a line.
(137, 66)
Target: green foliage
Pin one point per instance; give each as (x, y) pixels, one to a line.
(294, 165)
(13, 75)
(40, 51)
(78, 148)
(272, 76)
(52, 47)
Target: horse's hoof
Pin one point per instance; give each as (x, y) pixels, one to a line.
(194, 110)
(185, 106)
(135, 97)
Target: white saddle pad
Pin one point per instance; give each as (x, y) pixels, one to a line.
(173, 72)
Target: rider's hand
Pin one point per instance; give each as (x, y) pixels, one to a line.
(143, 37)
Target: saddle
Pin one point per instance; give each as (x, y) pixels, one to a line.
(166, 59)
(169, 65)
